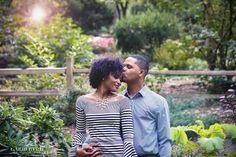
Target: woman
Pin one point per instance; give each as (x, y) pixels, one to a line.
(104, 114)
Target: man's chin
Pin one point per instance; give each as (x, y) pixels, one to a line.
(125, 80)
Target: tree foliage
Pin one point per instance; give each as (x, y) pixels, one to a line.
(178, 54)
(143, 32)
(212, 24)
(41, 43)
(91, 15)
(49, 44)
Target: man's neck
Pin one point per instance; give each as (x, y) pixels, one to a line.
(133, 88)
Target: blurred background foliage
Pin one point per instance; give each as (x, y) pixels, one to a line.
(204, 32)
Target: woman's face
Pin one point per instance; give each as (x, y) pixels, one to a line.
(112, 82)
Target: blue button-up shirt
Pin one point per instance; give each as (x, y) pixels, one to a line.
(151, 123)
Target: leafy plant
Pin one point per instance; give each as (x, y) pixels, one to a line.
(143, 32)
(218, 84)
(177, 54)
(47, 45)
(155, 82)
(44, 45)
(182, 119)
(211, 144)
(66, 105)
(195, 140)
(12, 125)
(179, 136)
(230, 130)
(179, 111)
(211, 119)
(31, 132)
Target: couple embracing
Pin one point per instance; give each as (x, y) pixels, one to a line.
(132, 124)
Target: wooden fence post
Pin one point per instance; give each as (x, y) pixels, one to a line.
(69, 72)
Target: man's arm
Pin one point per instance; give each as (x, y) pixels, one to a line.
(163, 132)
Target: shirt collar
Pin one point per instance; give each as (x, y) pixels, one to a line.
(142, 92)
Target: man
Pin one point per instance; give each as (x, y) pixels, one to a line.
(150, 113)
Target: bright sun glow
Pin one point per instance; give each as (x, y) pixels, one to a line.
(38, 14)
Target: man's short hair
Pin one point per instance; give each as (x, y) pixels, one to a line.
(142, 62)
(102, 67)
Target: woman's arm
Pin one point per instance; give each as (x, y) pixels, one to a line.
(127, 128)
(80, 134)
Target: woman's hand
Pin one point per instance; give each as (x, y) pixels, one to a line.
(90, 150)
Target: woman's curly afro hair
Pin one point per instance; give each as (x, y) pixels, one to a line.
(102, 68)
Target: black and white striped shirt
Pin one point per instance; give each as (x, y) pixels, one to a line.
(111, 126)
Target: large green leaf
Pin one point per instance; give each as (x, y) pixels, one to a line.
(230, 129)
(216, 130)
(211, 144)
(179, 136)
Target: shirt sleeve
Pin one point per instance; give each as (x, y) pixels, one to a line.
(80, 134)
(163, 130)
(127, 129)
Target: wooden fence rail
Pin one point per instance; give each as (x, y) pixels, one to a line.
(70, 71)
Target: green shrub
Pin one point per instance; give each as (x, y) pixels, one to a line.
(186, 104)
(35, 101)
(143, 32)
(43, 45)
(182, 112)
(155, 82)
(211, 119)
(195, 140)
(218, 84)
(31, 132)
(175, 54)
(215, 84)
(66, 106)
(48, 45)
(182, 119)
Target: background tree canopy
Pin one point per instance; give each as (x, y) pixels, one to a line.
(139, 26)
(143, 32)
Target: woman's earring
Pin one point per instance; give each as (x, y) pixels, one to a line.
(103, 79)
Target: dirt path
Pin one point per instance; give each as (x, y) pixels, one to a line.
(181, 86)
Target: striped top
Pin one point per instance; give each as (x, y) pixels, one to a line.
(111, 126)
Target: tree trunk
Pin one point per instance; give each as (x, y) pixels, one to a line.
(118, 11)
(211, 59)
(121, 9)
(124, 8)
(222, 58)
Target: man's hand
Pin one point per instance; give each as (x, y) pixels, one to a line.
(90, 150)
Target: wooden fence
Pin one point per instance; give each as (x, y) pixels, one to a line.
(70, 71)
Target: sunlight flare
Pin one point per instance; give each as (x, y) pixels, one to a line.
(38, 13)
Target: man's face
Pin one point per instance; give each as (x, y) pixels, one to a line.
(131, 71)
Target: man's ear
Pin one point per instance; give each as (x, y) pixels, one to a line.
(141, 73)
